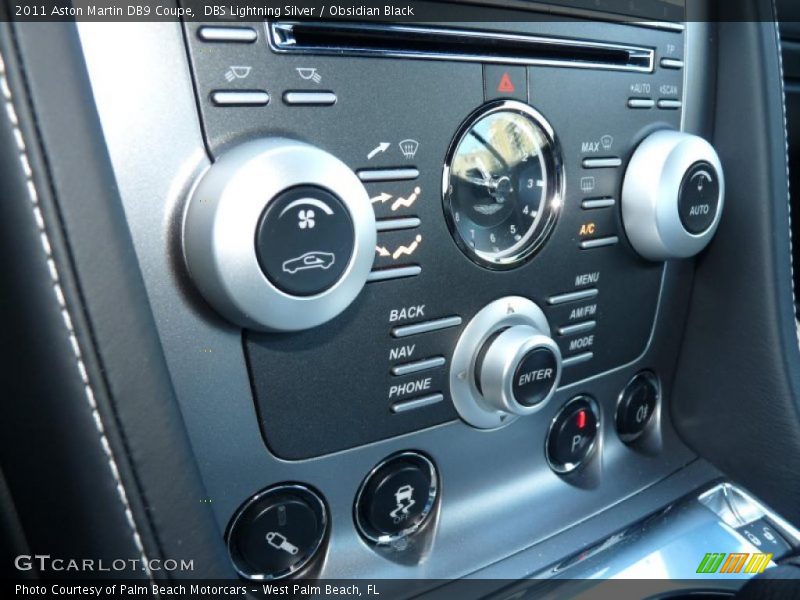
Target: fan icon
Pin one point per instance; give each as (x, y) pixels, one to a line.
(305, 219)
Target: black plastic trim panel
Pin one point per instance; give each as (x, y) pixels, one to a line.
(735, 395)
(53, 457)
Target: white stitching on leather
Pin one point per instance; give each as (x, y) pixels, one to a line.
(786, 155)
(33, 196)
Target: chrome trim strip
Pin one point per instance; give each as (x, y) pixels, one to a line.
(599, 242)
(572, 296)
(426, 364)
(397, 224)
(577, 328)
(598, 203)
(426, 326)
(415, 403)
(578, 359)
(240, 35)
(671, 63)
(399, 174)
(605, 162)
(641, 103)
(394, 273)
(239, 98)
(309, 98)
(282, 40)
(670, 104)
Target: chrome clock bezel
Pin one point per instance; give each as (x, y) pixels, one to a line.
(554, 201)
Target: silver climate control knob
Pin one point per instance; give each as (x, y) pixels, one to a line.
(673, 195)
(279, 235)
(505, 364)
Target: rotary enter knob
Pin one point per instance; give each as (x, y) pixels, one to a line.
(279, 235)
(672, 196)
(505, 364)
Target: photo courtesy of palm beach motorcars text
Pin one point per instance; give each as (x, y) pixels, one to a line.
(197, 590)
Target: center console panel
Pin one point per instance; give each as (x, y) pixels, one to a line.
(393, 122)
(414, 283)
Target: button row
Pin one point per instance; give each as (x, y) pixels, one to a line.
(576, 328)
(391, 248)
(262, 98)
(419, 366)
(647, 103)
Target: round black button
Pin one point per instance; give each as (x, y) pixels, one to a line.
(637, 403)
(304, 240)
(396, 498)
(698, 198)
(534, 377)
(277, 532)
(572, 434)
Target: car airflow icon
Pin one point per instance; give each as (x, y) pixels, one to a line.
(309, 260)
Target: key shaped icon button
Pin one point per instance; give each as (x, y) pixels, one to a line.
(276, 540)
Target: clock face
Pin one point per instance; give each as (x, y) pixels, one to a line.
(502, 184)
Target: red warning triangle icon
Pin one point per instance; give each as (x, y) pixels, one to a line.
(505, 86)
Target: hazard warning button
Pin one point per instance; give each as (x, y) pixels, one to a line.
(501, 81)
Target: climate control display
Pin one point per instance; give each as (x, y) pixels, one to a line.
(502, 184)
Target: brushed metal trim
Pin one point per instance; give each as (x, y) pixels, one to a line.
(650, 195)
(220, 227)
(469, 402)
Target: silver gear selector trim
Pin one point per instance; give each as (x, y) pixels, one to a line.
(223, 218)
(490, 370)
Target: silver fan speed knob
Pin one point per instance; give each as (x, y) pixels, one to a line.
(279, 235)
(673, 195)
